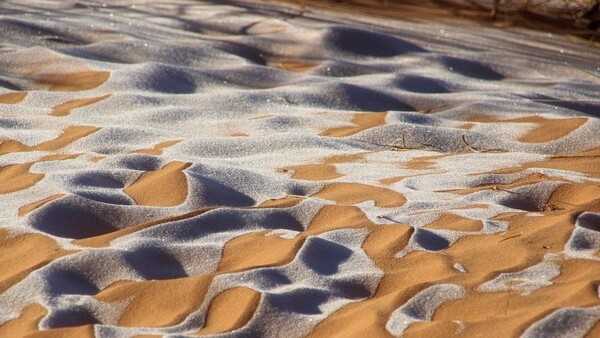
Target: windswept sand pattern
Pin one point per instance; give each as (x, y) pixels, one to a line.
(193, 168)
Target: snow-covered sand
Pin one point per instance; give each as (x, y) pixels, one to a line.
(189, 167)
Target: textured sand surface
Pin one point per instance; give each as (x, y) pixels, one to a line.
(224, 168)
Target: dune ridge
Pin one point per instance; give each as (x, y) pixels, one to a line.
(198, 168)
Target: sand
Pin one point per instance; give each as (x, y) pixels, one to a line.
(193, 168)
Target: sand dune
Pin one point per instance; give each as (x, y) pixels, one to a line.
(191, 168)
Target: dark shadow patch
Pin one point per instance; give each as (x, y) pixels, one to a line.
(249, 53)
(520, 202)
(421, 84)
(226, 220)
(323, 256)
(71, 317)
(169, 80)
(103, 197)
(429, 240)
(65, 219)
(346, 96)
(214, 193)
(589, 221)
(96, 179)
(64, 282)
(10, 85)
(358, 42)
(351, 290)
(581, 242)
(471, 69)
(303, 301)
(270, 278)
(567, 322)
(153, 262)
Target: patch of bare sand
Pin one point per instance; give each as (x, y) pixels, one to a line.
(160, 303)
(17, 177)
(21, 254)
(296, 66)
(322, 171)
(284, 202)
(354, 193)
(447, 221)
(24, 210)
(169, 180)
(12, 98)
(71, 82)
(69, 135)
(230, 310)
(424, 162)
(239, 135)
(65, 108)
(157, 303)
(27, 326)
(362, 121)
(392, 180)
(546, 129)
(531, 179)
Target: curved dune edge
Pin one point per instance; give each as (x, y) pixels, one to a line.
(104, 240)
(24, 210)
(17, 177)
(72, 82)
(22, 254)
(362, 121)
(424, 162)
(585, 163)
(281, 251)
(27, 325)
(230, 310)
(165, 187)
(68, 135)
(531, 179)
(12, 98)
(64, 109)
(157, 303)
(546, 129)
